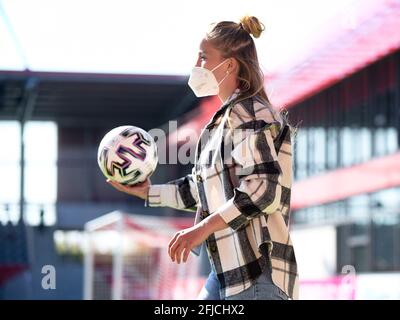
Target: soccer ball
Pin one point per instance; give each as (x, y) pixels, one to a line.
(127, 155)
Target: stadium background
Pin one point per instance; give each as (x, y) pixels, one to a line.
(70, 72)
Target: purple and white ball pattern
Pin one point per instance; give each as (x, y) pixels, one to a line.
(128, 155)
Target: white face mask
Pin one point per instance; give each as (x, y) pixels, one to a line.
(203, 82)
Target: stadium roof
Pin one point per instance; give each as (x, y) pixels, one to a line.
(373, 34)
(73, 99)
(348, 35)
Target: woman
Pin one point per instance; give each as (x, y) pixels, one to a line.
(242, 195)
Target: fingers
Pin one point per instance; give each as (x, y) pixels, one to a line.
(186, 253)
(171, 243)
(180, 245)
(120, 187)
(173, 250)
(114, 184)
(178, 252)
(176, 247)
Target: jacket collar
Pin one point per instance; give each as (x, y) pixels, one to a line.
(223, 107)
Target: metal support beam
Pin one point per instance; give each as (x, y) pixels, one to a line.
(14, 37)
(24, 111)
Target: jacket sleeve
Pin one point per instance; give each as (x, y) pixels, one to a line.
(259, 174)
(179, 194)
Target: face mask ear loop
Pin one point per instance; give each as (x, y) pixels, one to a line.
(218, 65)
(227, 74)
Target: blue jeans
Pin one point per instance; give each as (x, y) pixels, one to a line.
(210, 290)
(262, 289)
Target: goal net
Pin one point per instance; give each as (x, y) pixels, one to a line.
(126, 257)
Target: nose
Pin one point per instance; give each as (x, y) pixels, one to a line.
(198, 63)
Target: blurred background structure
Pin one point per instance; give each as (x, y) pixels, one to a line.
(70, 71)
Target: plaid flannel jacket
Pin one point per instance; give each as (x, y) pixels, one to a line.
(249, 186)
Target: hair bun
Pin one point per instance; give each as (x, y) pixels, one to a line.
(252, 25)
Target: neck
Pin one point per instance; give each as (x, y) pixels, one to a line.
(226, 91)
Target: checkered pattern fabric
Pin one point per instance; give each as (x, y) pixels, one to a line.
(242, 171)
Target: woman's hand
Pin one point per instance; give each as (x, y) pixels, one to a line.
(186, 239)
(139, 190)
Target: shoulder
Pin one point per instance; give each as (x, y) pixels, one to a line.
(252, 114)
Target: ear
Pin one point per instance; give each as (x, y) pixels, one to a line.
(233, 65)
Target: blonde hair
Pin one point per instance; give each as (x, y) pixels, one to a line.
(236, 40)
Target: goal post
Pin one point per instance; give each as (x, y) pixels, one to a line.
(126, 257)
